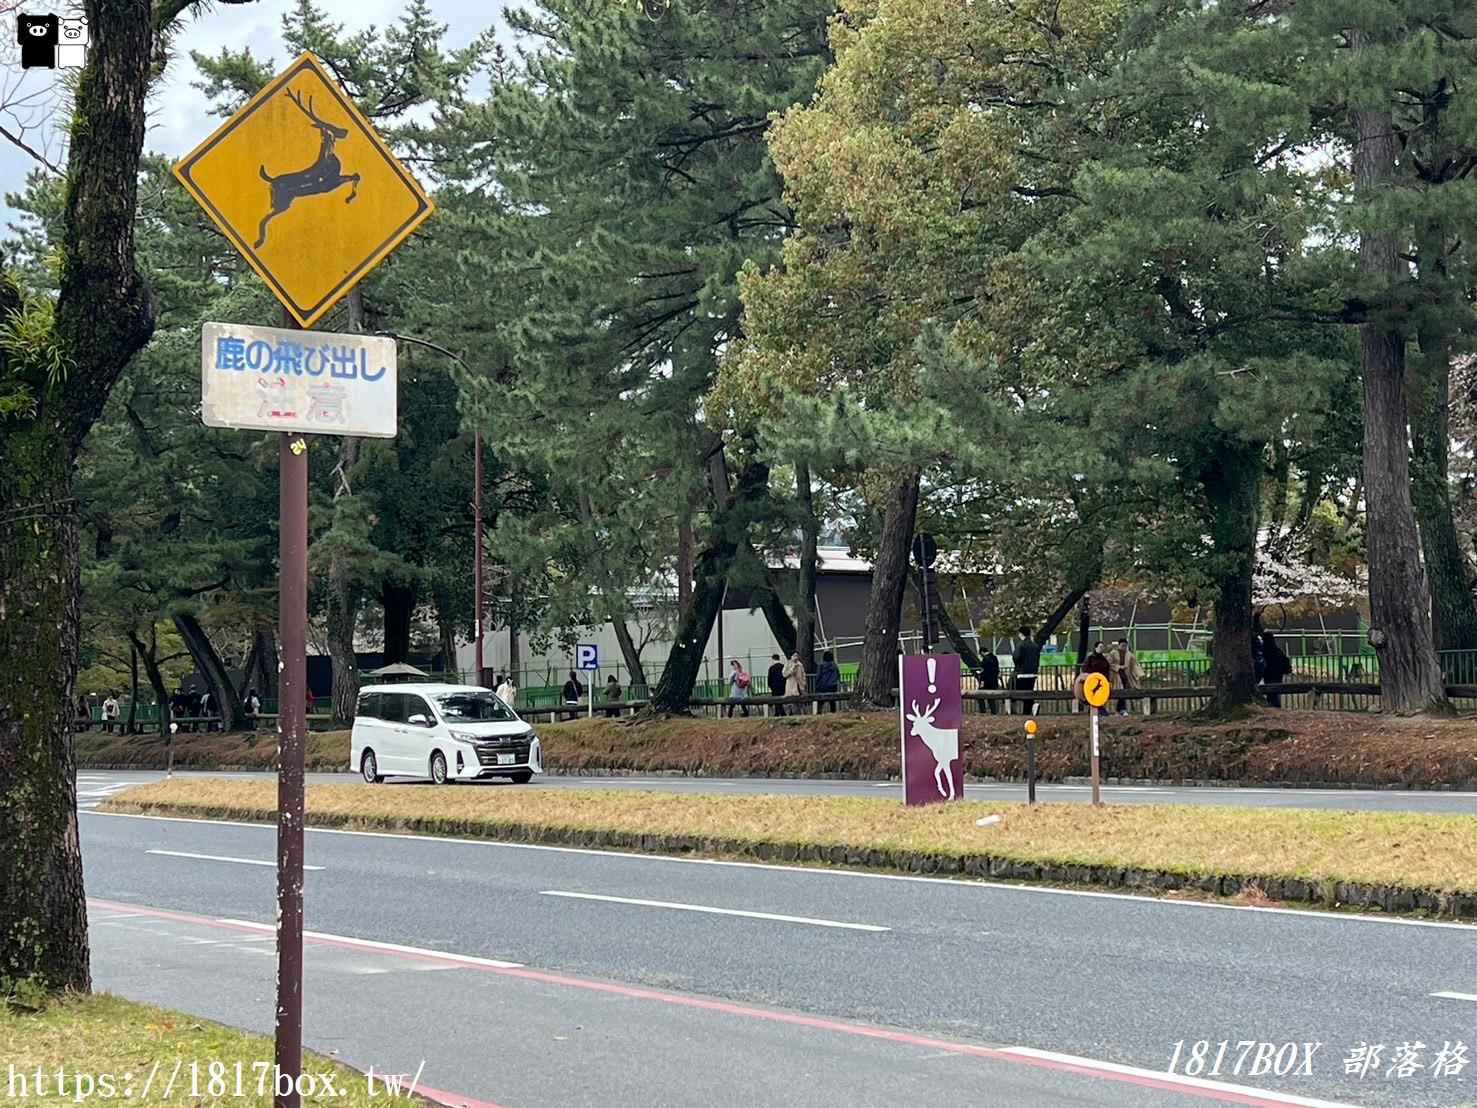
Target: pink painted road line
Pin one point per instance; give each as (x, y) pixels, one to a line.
(453, 1100)
(1088, 1067)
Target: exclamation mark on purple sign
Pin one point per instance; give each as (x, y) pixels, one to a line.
(933, 672)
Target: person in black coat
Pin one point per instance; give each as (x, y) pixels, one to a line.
(1278, 666)
(990, 677)
(1027, 658)
(828, 679)
(777, 682)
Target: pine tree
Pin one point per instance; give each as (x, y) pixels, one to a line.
(632, 182)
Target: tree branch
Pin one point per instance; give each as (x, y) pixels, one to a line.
(18, 141)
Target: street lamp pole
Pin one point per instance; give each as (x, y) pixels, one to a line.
(477, 597)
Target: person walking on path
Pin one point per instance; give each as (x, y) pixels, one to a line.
(1127, 673)
(738, 688)
(507, 692)
(1027, 660)
(192, 707)
(612, 696)
(1278, 666)
(828, 679)
(572, 691)
(795, 678)
(110, 712)
(777, 682)
(990, 677)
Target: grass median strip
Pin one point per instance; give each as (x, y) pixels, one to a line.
(116, 1049)
(1396, 861)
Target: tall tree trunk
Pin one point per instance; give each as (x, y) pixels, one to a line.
(260, 672)
(446, 650)
(103, 315)
(212, 669)
(343, 618)
(399, 604)
(877, 674)
(1453, 614)
(685, 568)
(1231, 489)
(148, 654)
(1410, 676)
(729, 532)
(809, 559)
(43, 914)
(635, 674)
(781, 626)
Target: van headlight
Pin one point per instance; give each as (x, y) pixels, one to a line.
(463, 736)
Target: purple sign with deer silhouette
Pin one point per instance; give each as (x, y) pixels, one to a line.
(930, 708)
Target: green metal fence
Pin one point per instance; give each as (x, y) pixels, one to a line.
(542, 687)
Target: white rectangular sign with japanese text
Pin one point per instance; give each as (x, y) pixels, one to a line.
(269, 379)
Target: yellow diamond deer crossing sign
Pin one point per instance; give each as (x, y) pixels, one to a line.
(301, 184)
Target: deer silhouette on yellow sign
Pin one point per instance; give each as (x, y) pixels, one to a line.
(324, 175)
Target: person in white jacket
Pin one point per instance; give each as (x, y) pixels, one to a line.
(507, 692)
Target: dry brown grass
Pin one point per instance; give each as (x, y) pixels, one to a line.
(1270, 747)
(100, 1034)
(1436, 852)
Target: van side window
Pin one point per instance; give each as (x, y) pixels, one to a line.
(416, 705)
(392, 707)
(369, 706)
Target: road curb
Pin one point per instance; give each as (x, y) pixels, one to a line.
(1394, 899)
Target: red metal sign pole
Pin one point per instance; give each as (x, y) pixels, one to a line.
(292, 717)
(477, 603)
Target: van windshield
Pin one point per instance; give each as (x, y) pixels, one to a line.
(473, 707)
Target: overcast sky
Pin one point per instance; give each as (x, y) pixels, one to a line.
(178, 119)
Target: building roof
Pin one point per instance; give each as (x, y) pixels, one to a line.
(840, 559)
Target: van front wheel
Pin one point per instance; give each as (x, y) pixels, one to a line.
(438, 768)
(370, 768)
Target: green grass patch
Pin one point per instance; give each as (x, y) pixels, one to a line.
(100, 1035)
(1260, 847)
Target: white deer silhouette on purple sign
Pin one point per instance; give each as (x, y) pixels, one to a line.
(930, 708)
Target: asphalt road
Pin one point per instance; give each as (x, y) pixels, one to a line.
(651, 981)
(94, 784)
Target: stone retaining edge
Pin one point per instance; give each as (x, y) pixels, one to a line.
(1328, 894)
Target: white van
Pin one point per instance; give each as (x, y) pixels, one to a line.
(440, 733)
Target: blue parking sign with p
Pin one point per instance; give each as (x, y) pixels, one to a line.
(587, 656)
